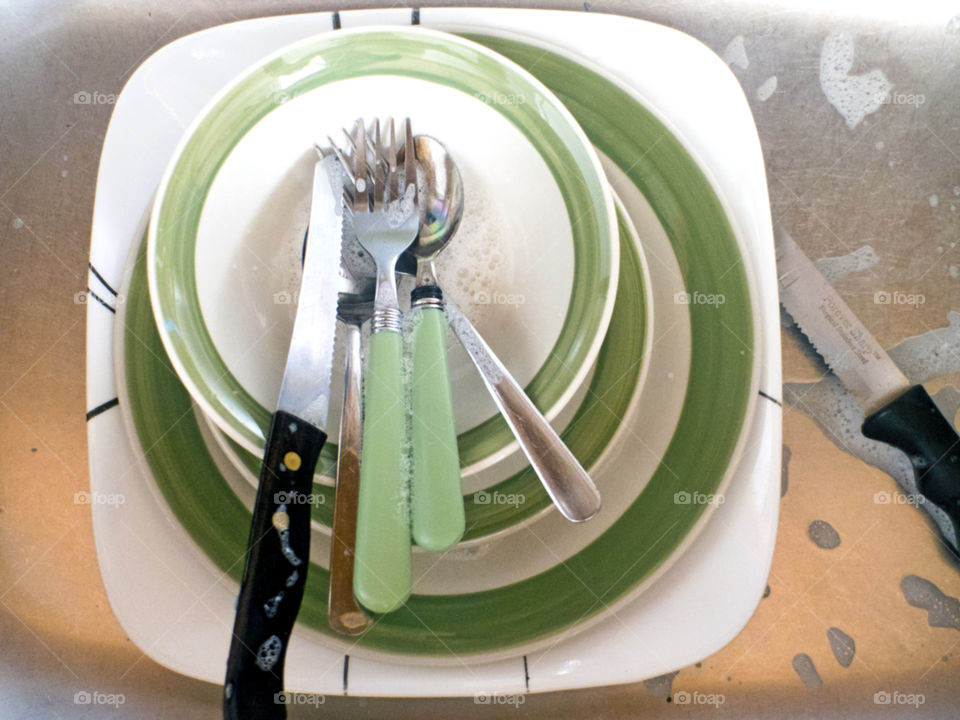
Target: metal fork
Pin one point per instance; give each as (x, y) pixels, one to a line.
(385, 218)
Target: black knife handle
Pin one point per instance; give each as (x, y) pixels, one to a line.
(913, 423)
(274, 571)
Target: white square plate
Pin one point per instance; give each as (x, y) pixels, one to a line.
(179, 609)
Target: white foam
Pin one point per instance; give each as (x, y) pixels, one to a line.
(767, 89)
(736, 53)
(827, 403)
(835, 268)
(854, 96)
(932, 354)
(839, 416)
(934, 200)
(481, 262)
(269, 653)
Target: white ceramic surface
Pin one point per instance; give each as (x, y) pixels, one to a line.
(250, 236)
(693, 609)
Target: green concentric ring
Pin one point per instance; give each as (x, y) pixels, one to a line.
(434, 57)
(696, 460)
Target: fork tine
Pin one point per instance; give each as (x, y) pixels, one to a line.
(378, 184)
(409, 160)
(393, 177)
(360, 202)
(344, 161)
(349, 139)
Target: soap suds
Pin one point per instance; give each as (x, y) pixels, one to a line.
(934, 200)
(839, 417)
(854, 96)
(271, 605)
(284, 533)
(767, 89)
(835, 268)
(269, 653)
(736, 53)
(932, 354)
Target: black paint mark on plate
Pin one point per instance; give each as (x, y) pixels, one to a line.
(415, 16)
(526, 674)
(346, 672)
(766, 592)
(771, 398)
(842, 645)
(807, 671)
(102, 407)
(823, 535)
(103, 282)
(100, 300)
(336, 20)
(942, 610)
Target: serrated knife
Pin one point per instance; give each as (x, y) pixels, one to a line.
(278, 549)
(897, 413)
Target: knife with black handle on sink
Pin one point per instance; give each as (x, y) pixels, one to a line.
(278, 549)
(897, 413)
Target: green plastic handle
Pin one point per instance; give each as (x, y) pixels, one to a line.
(381, 577)
(438, 516)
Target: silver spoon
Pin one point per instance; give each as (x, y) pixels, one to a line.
(565, 480)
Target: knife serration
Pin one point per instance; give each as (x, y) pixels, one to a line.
(305, 391)
(848, 348)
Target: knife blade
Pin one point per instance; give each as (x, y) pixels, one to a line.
(897, 413)
(278, 548)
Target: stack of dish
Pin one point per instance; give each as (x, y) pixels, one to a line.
(599, 256)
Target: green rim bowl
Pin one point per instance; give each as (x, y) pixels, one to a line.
(430, 56)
